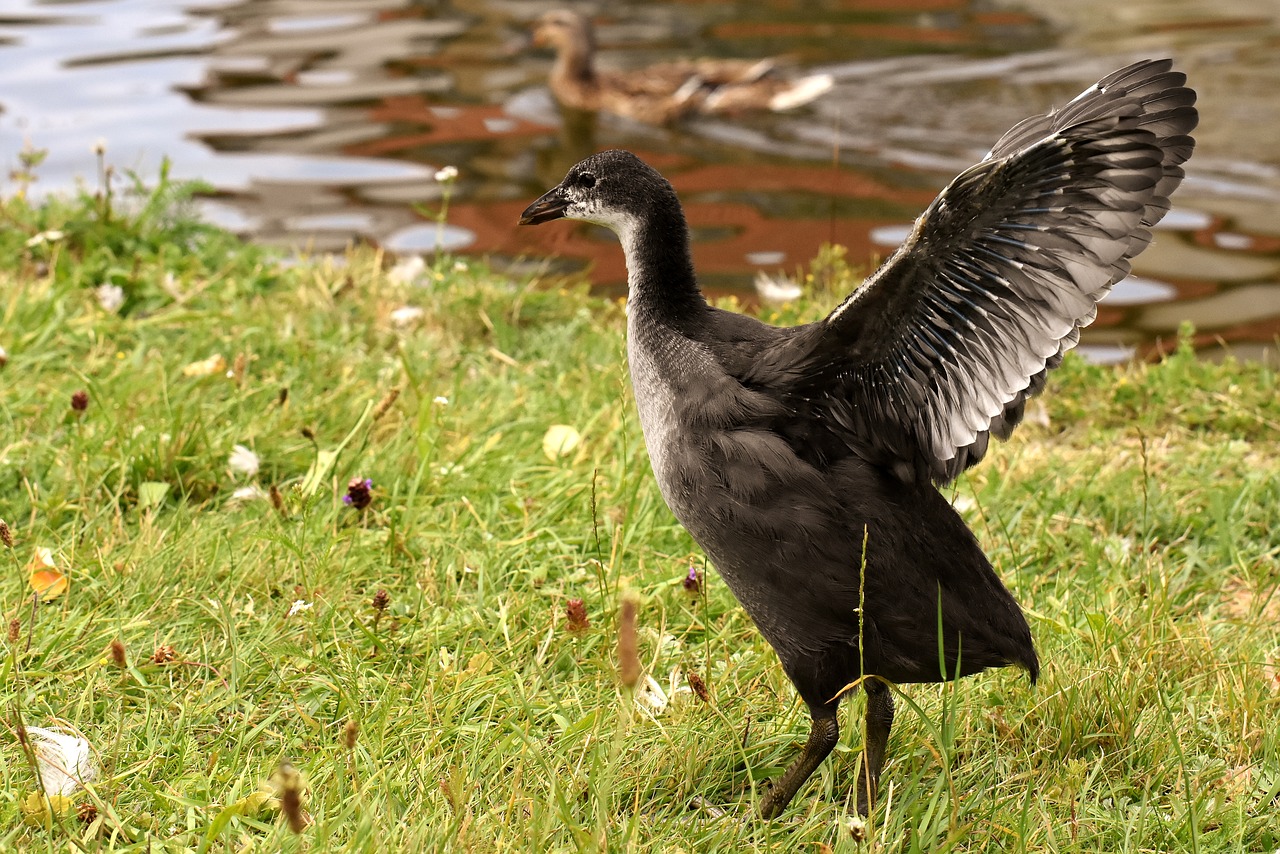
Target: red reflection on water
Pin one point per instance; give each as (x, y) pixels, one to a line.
(435, 125)
(862, 31)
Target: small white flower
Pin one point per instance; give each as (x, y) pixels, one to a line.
(406, 315)
(53, 235)
(243, 461)
(460, 267)
(651, 697)
(110, 297)
(440, 400)
(65, 759)
(99, 147)
(407, 270)
(298, 607)
(245, 494)
(446, 174)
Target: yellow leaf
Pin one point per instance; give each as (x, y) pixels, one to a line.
(39, 811)
(44, 576)
(560, 440)
(215, 364)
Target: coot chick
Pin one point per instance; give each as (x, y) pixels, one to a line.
(806, 461)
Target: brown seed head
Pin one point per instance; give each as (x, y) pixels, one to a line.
(86, 812)
(388, 400)
(628, 645)
(277, 500)
(116, 652)
(381, 600)
(575, 612)
(15, 630)
(164, 654)
(350, 734)
(6, 535)
(238, 367)
(80, 401)
(289, 782)
(696, 684)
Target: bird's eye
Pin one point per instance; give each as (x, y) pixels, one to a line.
(586, 180)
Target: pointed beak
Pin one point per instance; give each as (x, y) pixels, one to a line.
(551, 205)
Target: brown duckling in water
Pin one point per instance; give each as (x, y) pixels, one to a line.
(659, 94)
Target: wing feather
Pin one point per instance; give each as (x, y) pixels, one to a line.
(942, 346)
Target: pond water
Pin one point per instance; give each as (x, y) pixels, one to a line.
(320, 122)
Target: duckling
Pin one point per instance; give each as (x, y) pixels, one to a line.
(660, 94)
(806, 461)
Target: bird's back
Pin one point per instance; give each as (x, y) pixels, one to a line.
(790, 517)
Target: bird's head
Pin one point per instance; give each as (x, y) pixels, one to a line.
(564, 29)
(615, 189)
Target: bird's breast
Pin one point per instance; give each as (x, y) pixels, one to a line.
(658, 372)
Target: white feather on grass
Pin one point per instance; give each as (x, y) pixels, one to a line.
(776, 290)
(65, 759)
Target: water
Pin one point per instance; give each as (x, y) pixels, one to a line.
(320, 122)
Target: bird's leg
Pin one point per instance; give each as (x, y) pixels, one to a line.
(879, 721)
(823, 735)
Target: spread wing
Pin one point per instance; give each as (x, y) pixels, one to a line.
(943, 345)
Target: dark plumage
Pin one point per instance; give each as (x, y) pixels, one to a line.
(805, 461)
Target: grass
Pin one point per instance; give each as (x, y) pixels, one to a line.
(1134, 518)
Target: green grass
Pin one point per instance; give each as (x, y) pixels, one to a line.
(1135, 521)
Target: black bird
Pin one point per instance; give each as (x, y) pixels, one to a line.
(806, 461)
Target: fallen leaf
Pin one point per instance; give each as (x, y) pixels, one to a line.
(408, 270)
(560, 440)
(44, 576)
(151, 494)
(215, 364)
(1271, 673)
(39, 811)
(406, 315)
(319, 470)
(1246, 601)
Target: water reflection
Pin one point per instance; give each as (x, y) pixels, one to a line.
(324, 121)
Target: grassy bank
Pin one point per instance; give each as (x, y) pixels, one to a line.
(1134, 516)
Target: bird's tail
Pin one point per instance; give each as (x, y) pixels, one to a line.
(801, 92)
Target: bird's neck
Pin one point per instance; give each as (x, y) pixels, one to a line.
(575, 63)
(660, 278)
